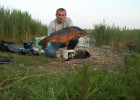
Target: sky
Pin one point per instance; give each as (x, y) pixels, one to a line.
(84, 13)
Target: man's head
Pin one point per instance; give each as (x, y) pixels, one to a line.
(61, 15)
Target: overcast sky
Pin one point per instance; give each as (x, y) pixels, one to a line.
(84, 13)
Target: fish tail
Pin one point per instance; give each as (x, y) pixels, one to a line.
(44, 43)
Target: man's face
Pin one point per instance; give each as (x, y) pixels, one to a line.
(61, 15)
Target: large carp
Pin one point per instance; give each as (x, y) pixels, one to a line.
(64, 35)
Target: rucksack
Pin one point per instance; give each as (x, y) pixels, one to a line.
(81, 54)
(28, 49)
(9, 47)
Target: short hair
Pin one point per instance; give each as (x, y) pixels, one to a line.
(61, 9)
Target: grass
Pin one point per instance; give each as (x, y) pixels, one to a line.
(24, 60)
(22, 80)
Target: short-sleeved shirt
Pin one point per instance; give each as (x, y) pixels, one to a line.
(55, 26)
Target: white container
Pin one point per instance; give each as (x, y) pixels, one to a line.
(84, 41)
(68, 54)
(37, 40)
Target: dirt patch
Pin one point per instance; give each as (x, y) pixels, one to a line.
(100, 57)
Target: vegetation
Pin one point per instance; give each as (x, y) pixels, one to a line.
(24, 79)
(116, 37)
(17, 26)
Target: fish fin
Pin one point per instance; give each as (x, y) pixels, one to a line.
(43, 47)
(67, 43)
(39, 43)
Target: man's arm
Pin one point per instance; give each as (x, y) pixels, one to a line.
(50, 30)
(69, 22)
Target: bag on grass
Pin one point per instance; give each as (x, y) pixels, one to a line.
(28, 49)
(9, 47)
(4, 60)
(81, 54)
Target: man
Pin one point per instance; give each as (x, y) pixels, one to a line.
(60, 22)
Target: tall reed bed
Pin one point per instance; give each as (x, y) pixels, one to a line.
(16, 26)
(115, 36)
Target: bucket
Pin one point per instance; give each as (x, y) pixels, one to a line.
(37, 40)
(68, 54)
(84, 41)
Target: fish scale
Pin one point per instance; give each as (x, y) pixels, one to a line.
(64, 35)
